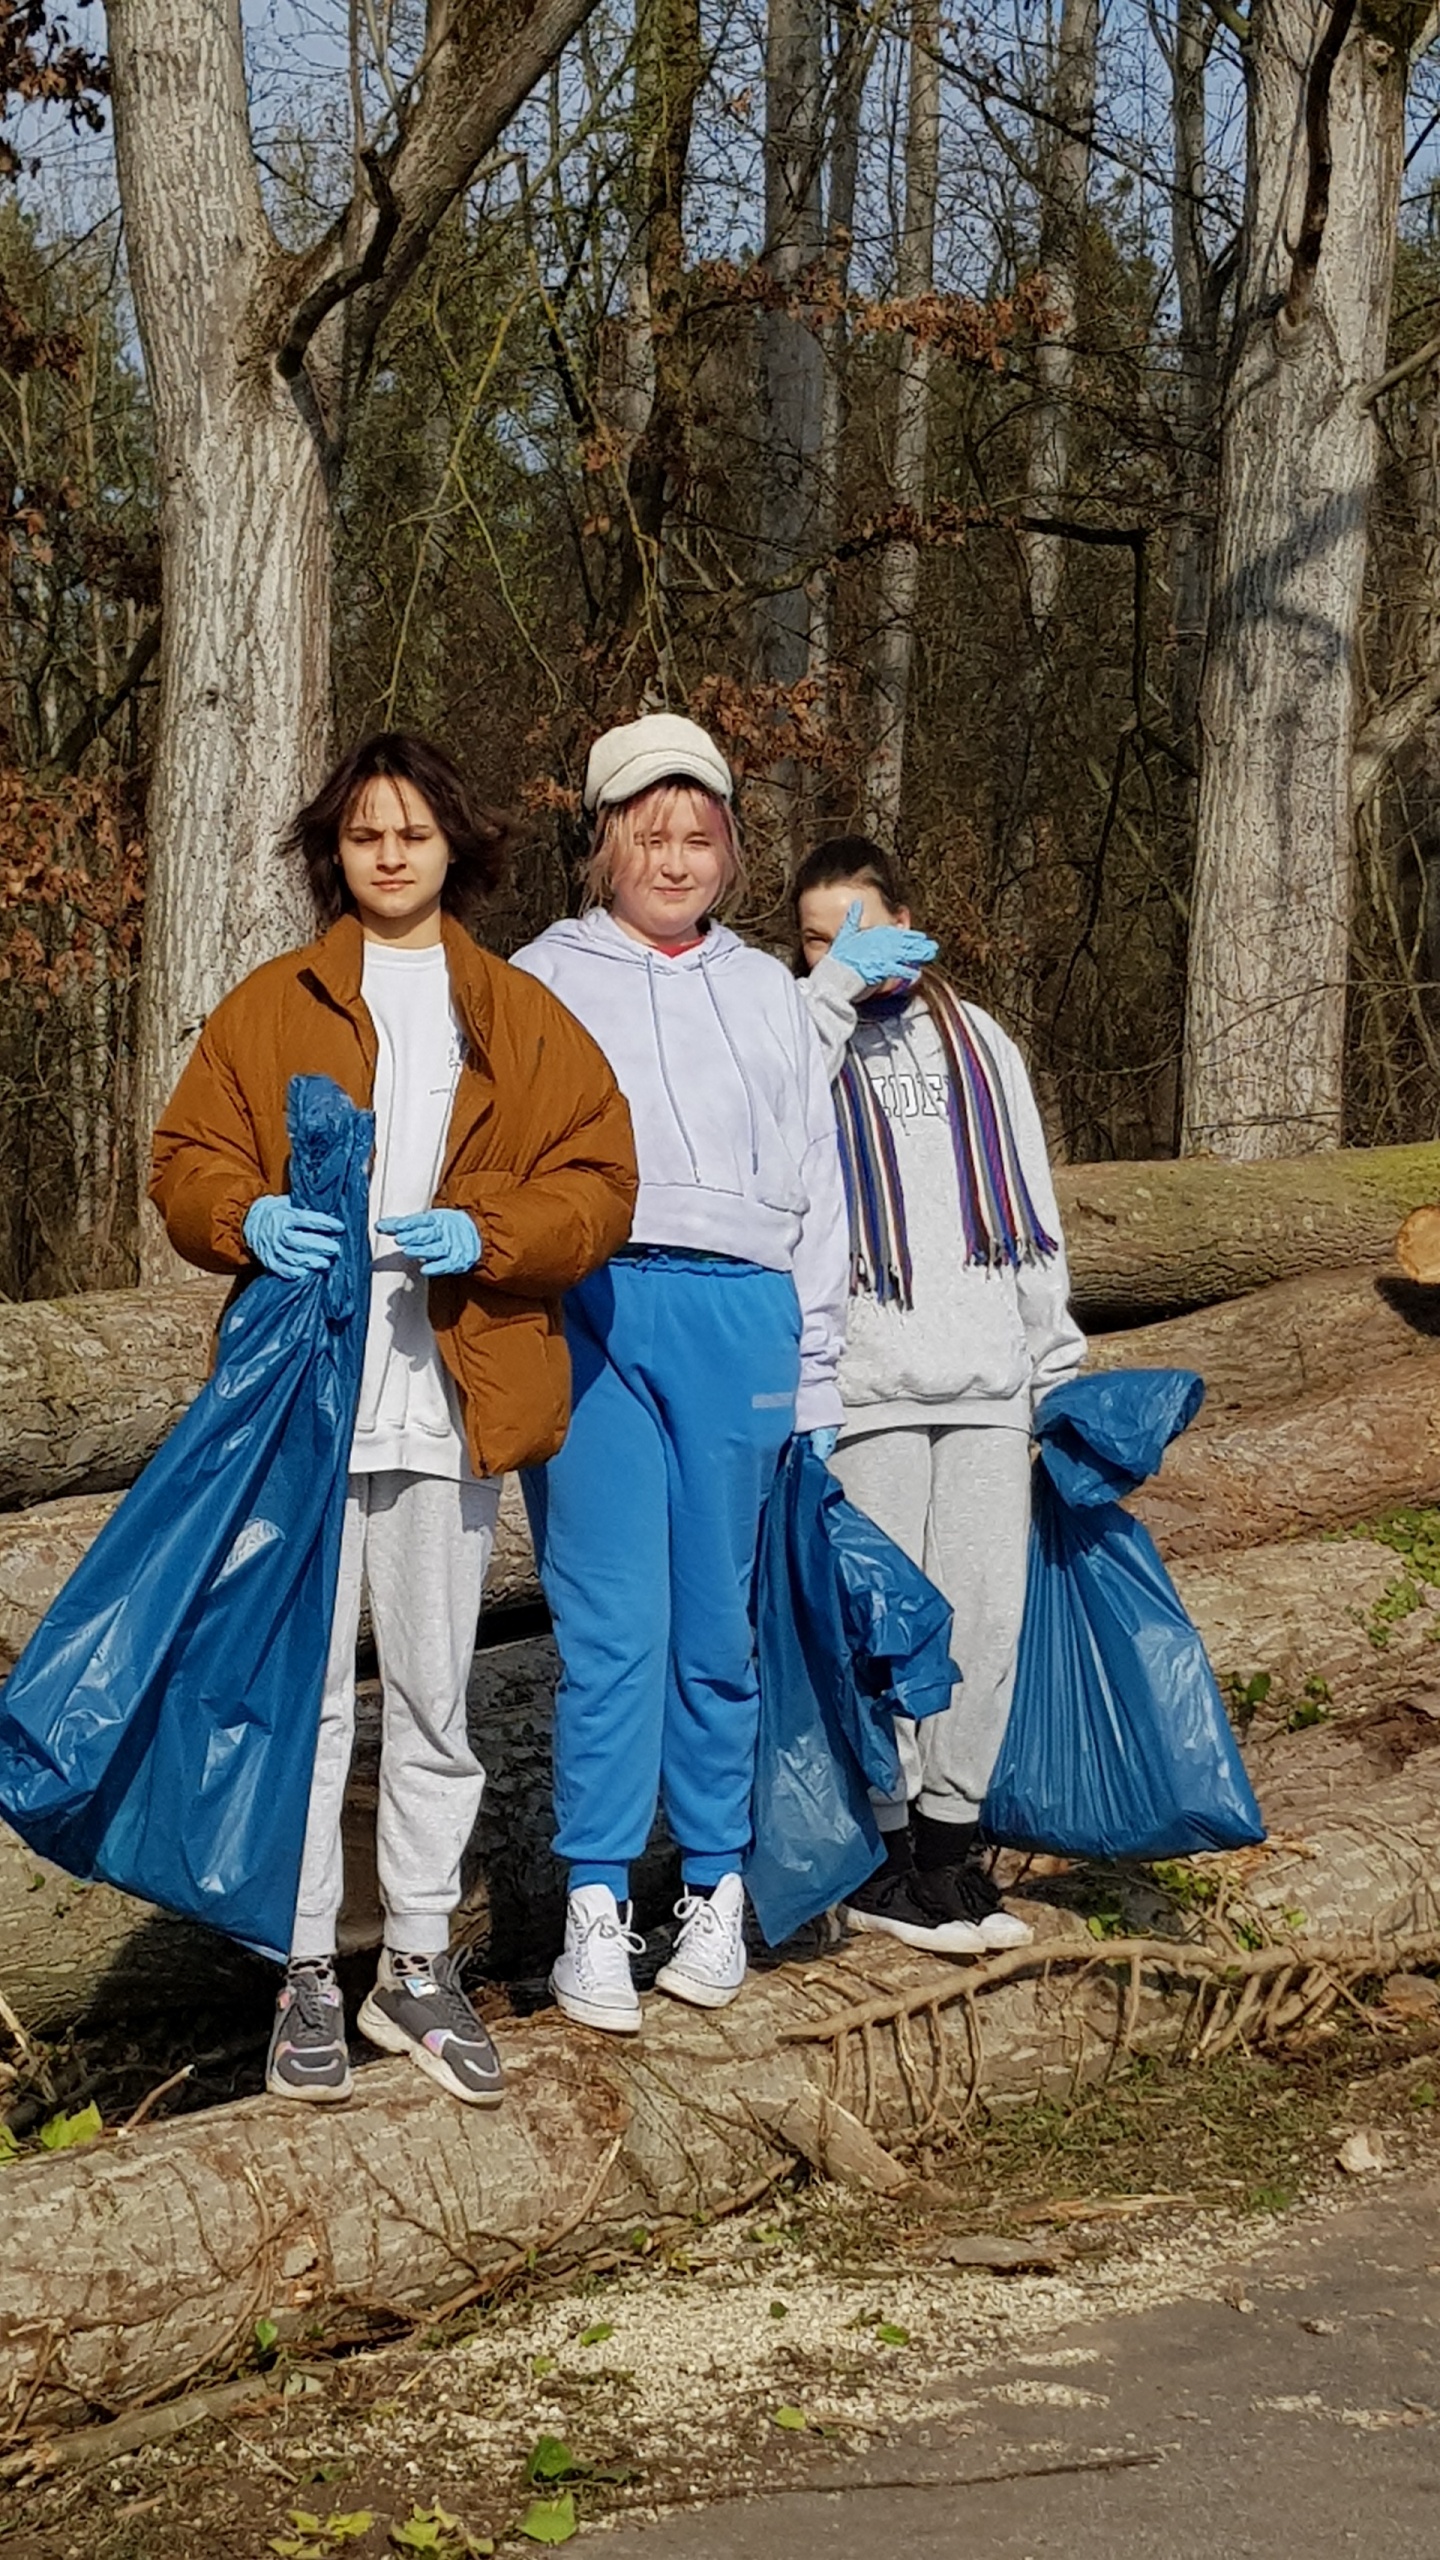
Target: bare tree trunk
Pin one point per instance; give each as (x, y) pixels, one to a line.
(851, 62)
(255, 358)
(244, 648)
(1064, 199)
(670, 67)
(899, 577)
(791, 373)
(1265, 1019)
(1199, 284)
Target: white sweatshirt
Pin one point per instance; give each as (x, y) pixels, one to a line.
(409, 1411)
(978, 1344)
(730, 1100)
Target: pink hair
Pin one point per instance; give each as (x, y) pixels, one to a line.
(617, 834)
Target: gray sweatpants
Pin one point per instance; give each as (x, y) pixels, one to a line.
(423, 1544)
(957, 1499)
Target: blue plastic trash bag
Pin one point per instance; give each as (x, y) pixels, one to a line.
(849, 1634)
(1118, 1744)
(159, 1729)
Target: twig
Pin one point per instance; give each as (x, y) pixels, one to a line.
(89, 2446)
(153, 2097)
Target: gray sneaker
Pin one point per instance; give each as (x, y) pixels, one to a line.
(308, 2055)
(417, 2007)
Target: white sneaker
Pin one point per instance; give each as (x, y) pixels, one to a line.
(708, 1965)
(590, 1978)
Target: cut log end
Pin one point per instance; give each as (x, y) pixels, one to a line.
(1417, 1247)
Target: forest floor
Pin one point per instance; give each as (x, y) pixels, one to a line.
(747, 2358)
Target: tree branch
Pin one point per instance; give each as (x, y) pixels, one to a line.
(338, 286)
(1389, 730)
(1400, 372)
(98, 715)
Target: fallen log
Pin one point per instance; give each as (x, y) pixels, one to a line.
(138, 2265)
(40, 1548)
(1327, 1330)
(1320, 1463)
(1154, 1239)
(89, 1387)
(1339, 1623)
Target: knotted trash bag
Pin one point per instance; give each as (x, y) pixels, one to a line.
(159, 1729)
(1118, 1744)
(849, 1635)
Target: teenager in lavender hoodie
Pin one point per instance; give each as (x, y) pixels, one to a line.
(696, 1352)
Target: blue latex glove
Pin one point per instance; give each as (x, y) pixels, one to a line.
(881, 953)
(442, 1241)
(824, 1440)
(291, 1242)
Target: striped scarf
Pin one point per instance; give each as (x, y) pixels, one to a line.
(996, 1210)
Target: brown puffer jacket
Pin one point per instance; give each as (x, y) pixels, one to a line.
(540, 1152)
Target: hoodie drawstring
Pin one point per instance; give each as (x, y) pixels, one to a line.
(665, 1073)
(739, 1065)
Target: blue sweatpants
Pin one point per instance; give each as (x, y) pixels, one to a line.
(645, 1526)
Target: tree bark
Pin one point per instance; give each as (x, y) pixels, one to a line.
(1265, 1017)
(898, 584)
(1064, 199)
(1319, 1464)
(254, 359)
(136, 2264)
(1296, 1338)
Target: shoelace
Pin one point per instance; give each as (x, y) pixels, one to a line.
(440, 1978)
(314, 1988)
(603, 1927)
(700, 1907)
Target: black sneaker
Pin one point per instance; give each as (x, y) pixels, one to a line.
(966, 1892)
(308, 2056)
(417, 2007)
(892, 1904)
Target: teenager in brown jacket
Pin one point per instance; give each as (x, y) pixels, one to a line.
(504, 1173)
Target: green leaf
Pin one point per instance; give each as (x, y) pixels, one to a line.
(794, 2420)
(305, 2523)
(550, 2519)
(265, 2334)
(779, 2310)
(890, 2334)
(541, 2365)
(551, 2459)
(9, 2147)
(66, 2133)
(349, 2528)
(597, 2333)
(422, 2533)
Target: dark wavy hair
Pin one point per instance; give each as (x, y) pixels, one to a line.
(846, 858)
(479, 838)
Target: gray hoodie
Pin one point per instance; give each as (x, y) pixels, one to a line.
(730, 1100)
(978, 1344)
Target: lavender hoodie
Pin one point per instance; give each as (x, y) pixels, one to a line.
(734, 1125)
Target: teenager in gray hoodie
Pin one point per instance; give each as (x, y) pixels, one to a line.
(959, 1323)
